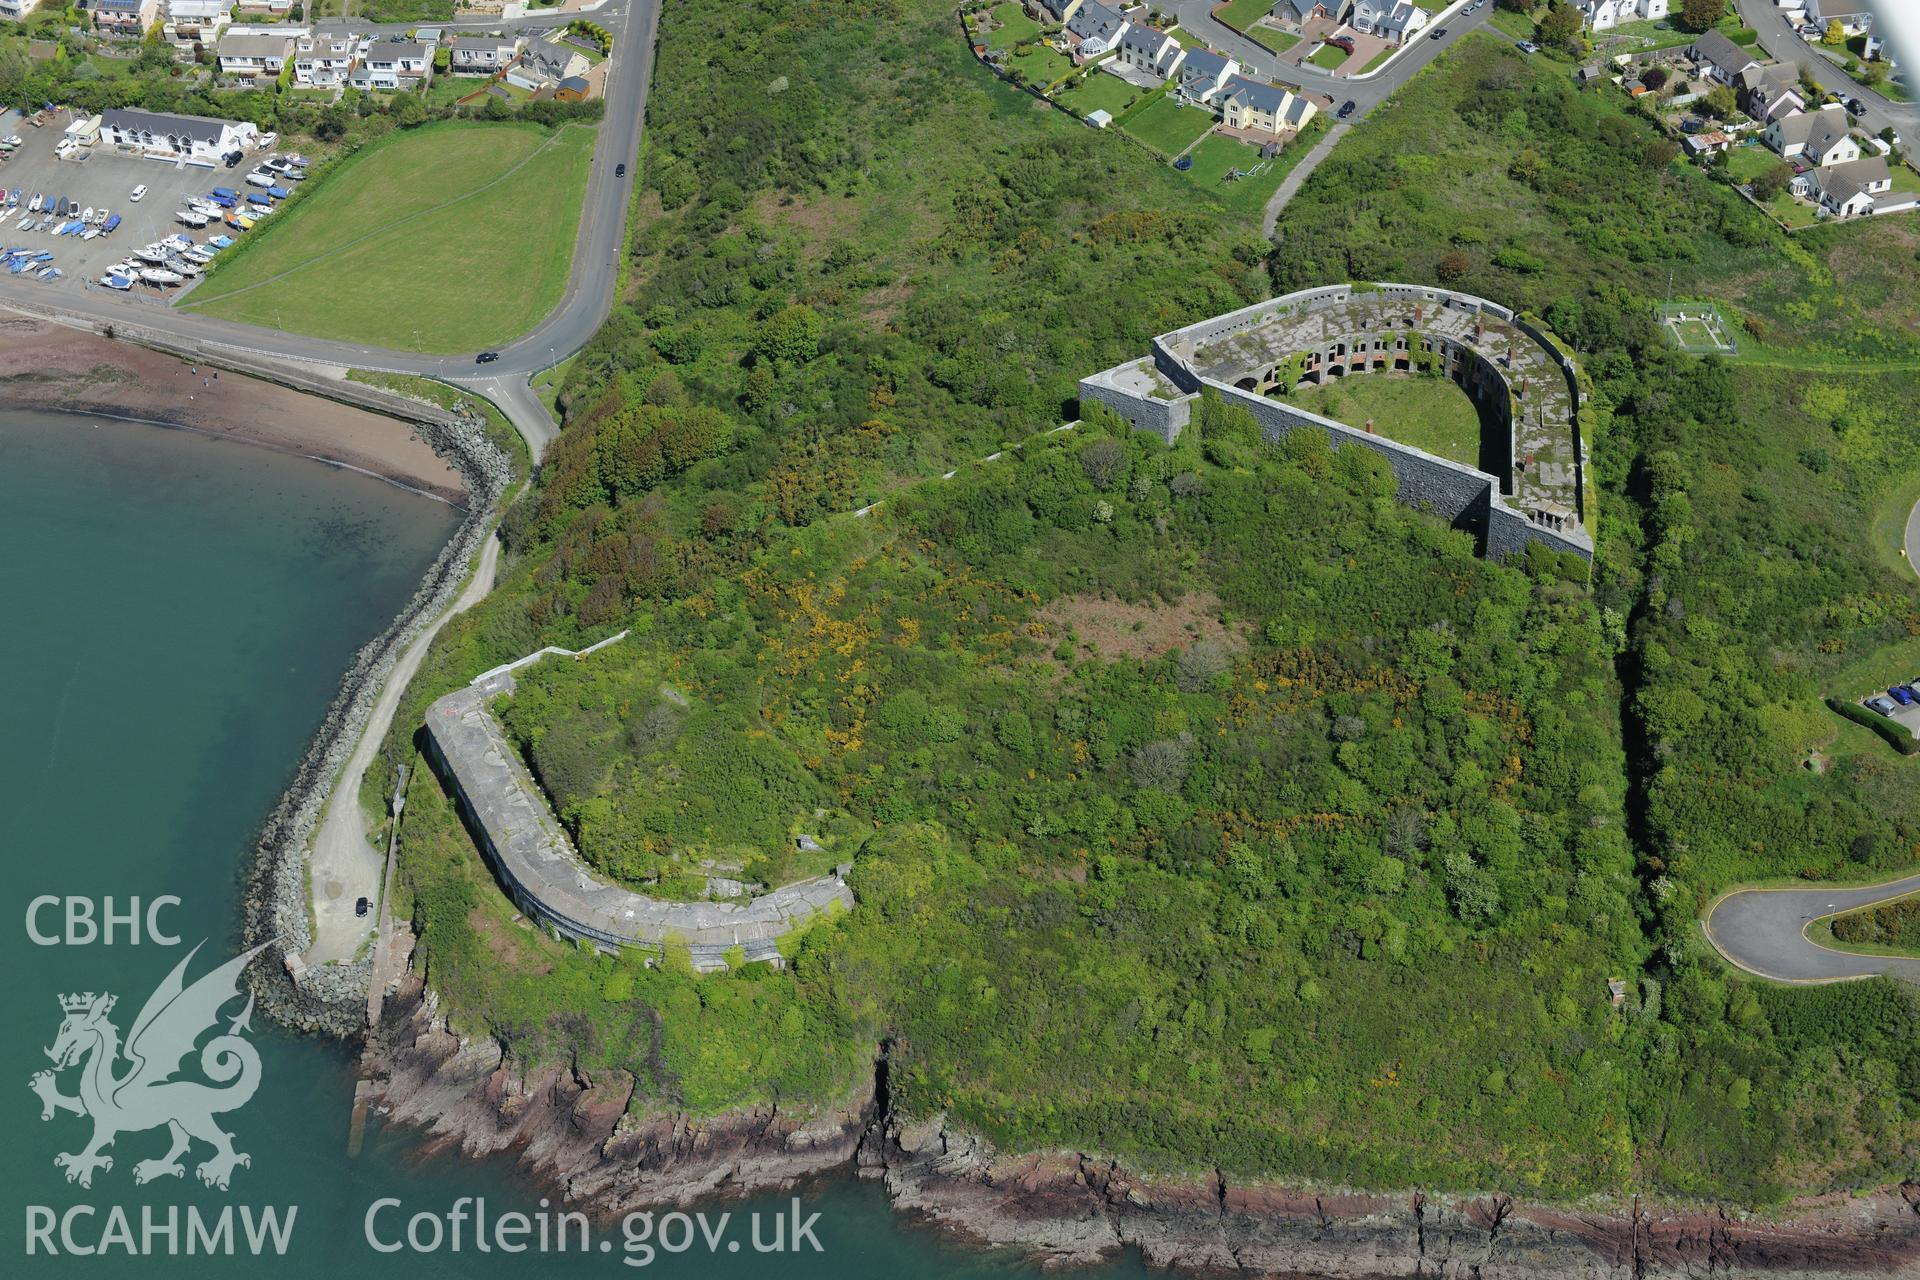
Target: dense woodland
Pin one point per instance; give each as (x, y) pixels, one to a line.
(1205, 806)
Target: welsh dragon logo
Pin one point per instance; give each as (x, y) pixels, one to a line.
(145, 1095)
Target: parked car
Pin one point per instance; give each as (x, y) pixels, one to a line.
(1883, 705)
(233, 158)
(1902, 695)
(139, 193)
(1910, 690)
(360, 907)
(1347, 108)
(619, 171)
(1439, 34)
(1342, 42)
(1527, 46)
(486, 357)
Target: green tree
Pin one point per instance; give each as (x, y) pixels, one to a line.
(1720, 103)
(1563, 28)
(1698, 15)
(1770, 182)
(789, 337)
(1836, 36)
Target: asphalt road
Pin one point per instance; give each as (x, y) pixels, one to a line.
(1786, 45)
(1764, 931)
(583, 307)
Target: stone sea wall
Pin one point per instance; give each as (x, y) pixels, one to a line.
(331, 998)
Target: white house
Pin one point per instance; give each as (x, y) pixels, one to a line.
(17, 10)
(547, 63)
(325, 61)
(1771, 90)
(1601, 15)
(1854, 16)
(1305, 11)
(482, 55)
(1820, 137)
(194, 136)
(1720, 59)
(1153, 52)
(393, 64)
(1203, 73)
(256, 55)
(1094, 29)
(197, 21)
(1845, 190)
(1391, 20)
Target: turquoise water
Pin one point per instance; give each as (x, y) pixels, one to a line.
(175, 614)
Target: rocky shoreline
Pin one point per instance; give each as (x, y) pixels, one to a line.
(330, 999)
(1064, 1209)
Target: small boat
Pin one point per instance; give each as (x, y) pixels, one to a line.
(150, 254)
(187, 217)
(178, 241)
(51, 273)
(158, 275)
(184, 267)
(111, 224)
(43, 256)
(220, 242)
(90, 233)
(86, 215)
(114, 280)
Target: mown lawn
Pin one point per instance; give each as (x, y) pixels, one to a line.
(1430, 413)
(1168, 127)
(1216, 156)
(1329, 56)
(1014, 27)
(447, 238)
(1101, 92)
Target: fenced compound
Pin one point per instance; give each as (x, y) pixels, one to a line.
(1698, 328)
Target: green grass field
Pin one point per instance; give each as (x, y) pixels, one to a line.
(1216, 156)
(1242, 14)
(1168, 127)
(447, 238)
(1329, 57)
(1014, 27)
(1101, 92)
(1428, 413)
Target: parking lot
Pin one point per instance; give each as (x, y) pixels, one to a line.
(1907, 717)
(105, 178)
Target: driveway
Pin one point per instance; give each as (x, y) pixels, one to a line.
(1785, 44)
(1764, 932)
(1197, 16)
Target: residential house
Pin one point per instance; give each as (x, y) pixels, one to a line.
(1854, 16)
(17, 10)
(482, 55)
(255, 55)
(325, 60)
(1203, 73)
(1094, 30)
(1845, 190)
(124, 17)
(546, 63)
(1261, 108)
(1601, 15)
(1391, 20)
(159, 132)
(1154, 52)
(263, 8)
(1769, 90)
(1053, 13)
(1720, 59)
(1706, 144)
(1305, 11)
(393, 64)
(1821, 137)
(191, 22)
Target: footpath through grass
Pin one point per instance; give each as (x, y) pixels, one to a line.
(447, 238)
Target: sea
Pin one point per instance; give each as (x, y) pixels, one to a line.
(176, 612)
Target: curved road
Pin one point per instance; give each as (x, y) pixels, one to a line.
(1913, 537)
(1764, 932)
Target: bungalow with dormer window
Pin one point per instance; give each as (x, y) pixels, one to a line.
(1391, 20)
(1845, 190)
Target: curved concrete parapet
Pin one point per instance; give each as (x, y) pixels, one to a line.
(1538, 492)
(547, 878)
(1764, 931)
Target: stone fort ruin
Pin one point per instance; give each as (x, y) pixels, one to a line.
(1523, 383)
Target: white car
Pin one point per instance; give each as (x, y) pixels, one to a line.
(139, 193)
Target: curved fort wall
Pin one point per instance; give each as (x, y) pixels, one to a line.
(1510, 367)
(537, 865)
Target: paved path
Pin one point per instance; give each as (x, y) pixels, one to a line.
(1913, 537)
(345, 866)
(1290, 185)
(1786, 44)
(1764, 931)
